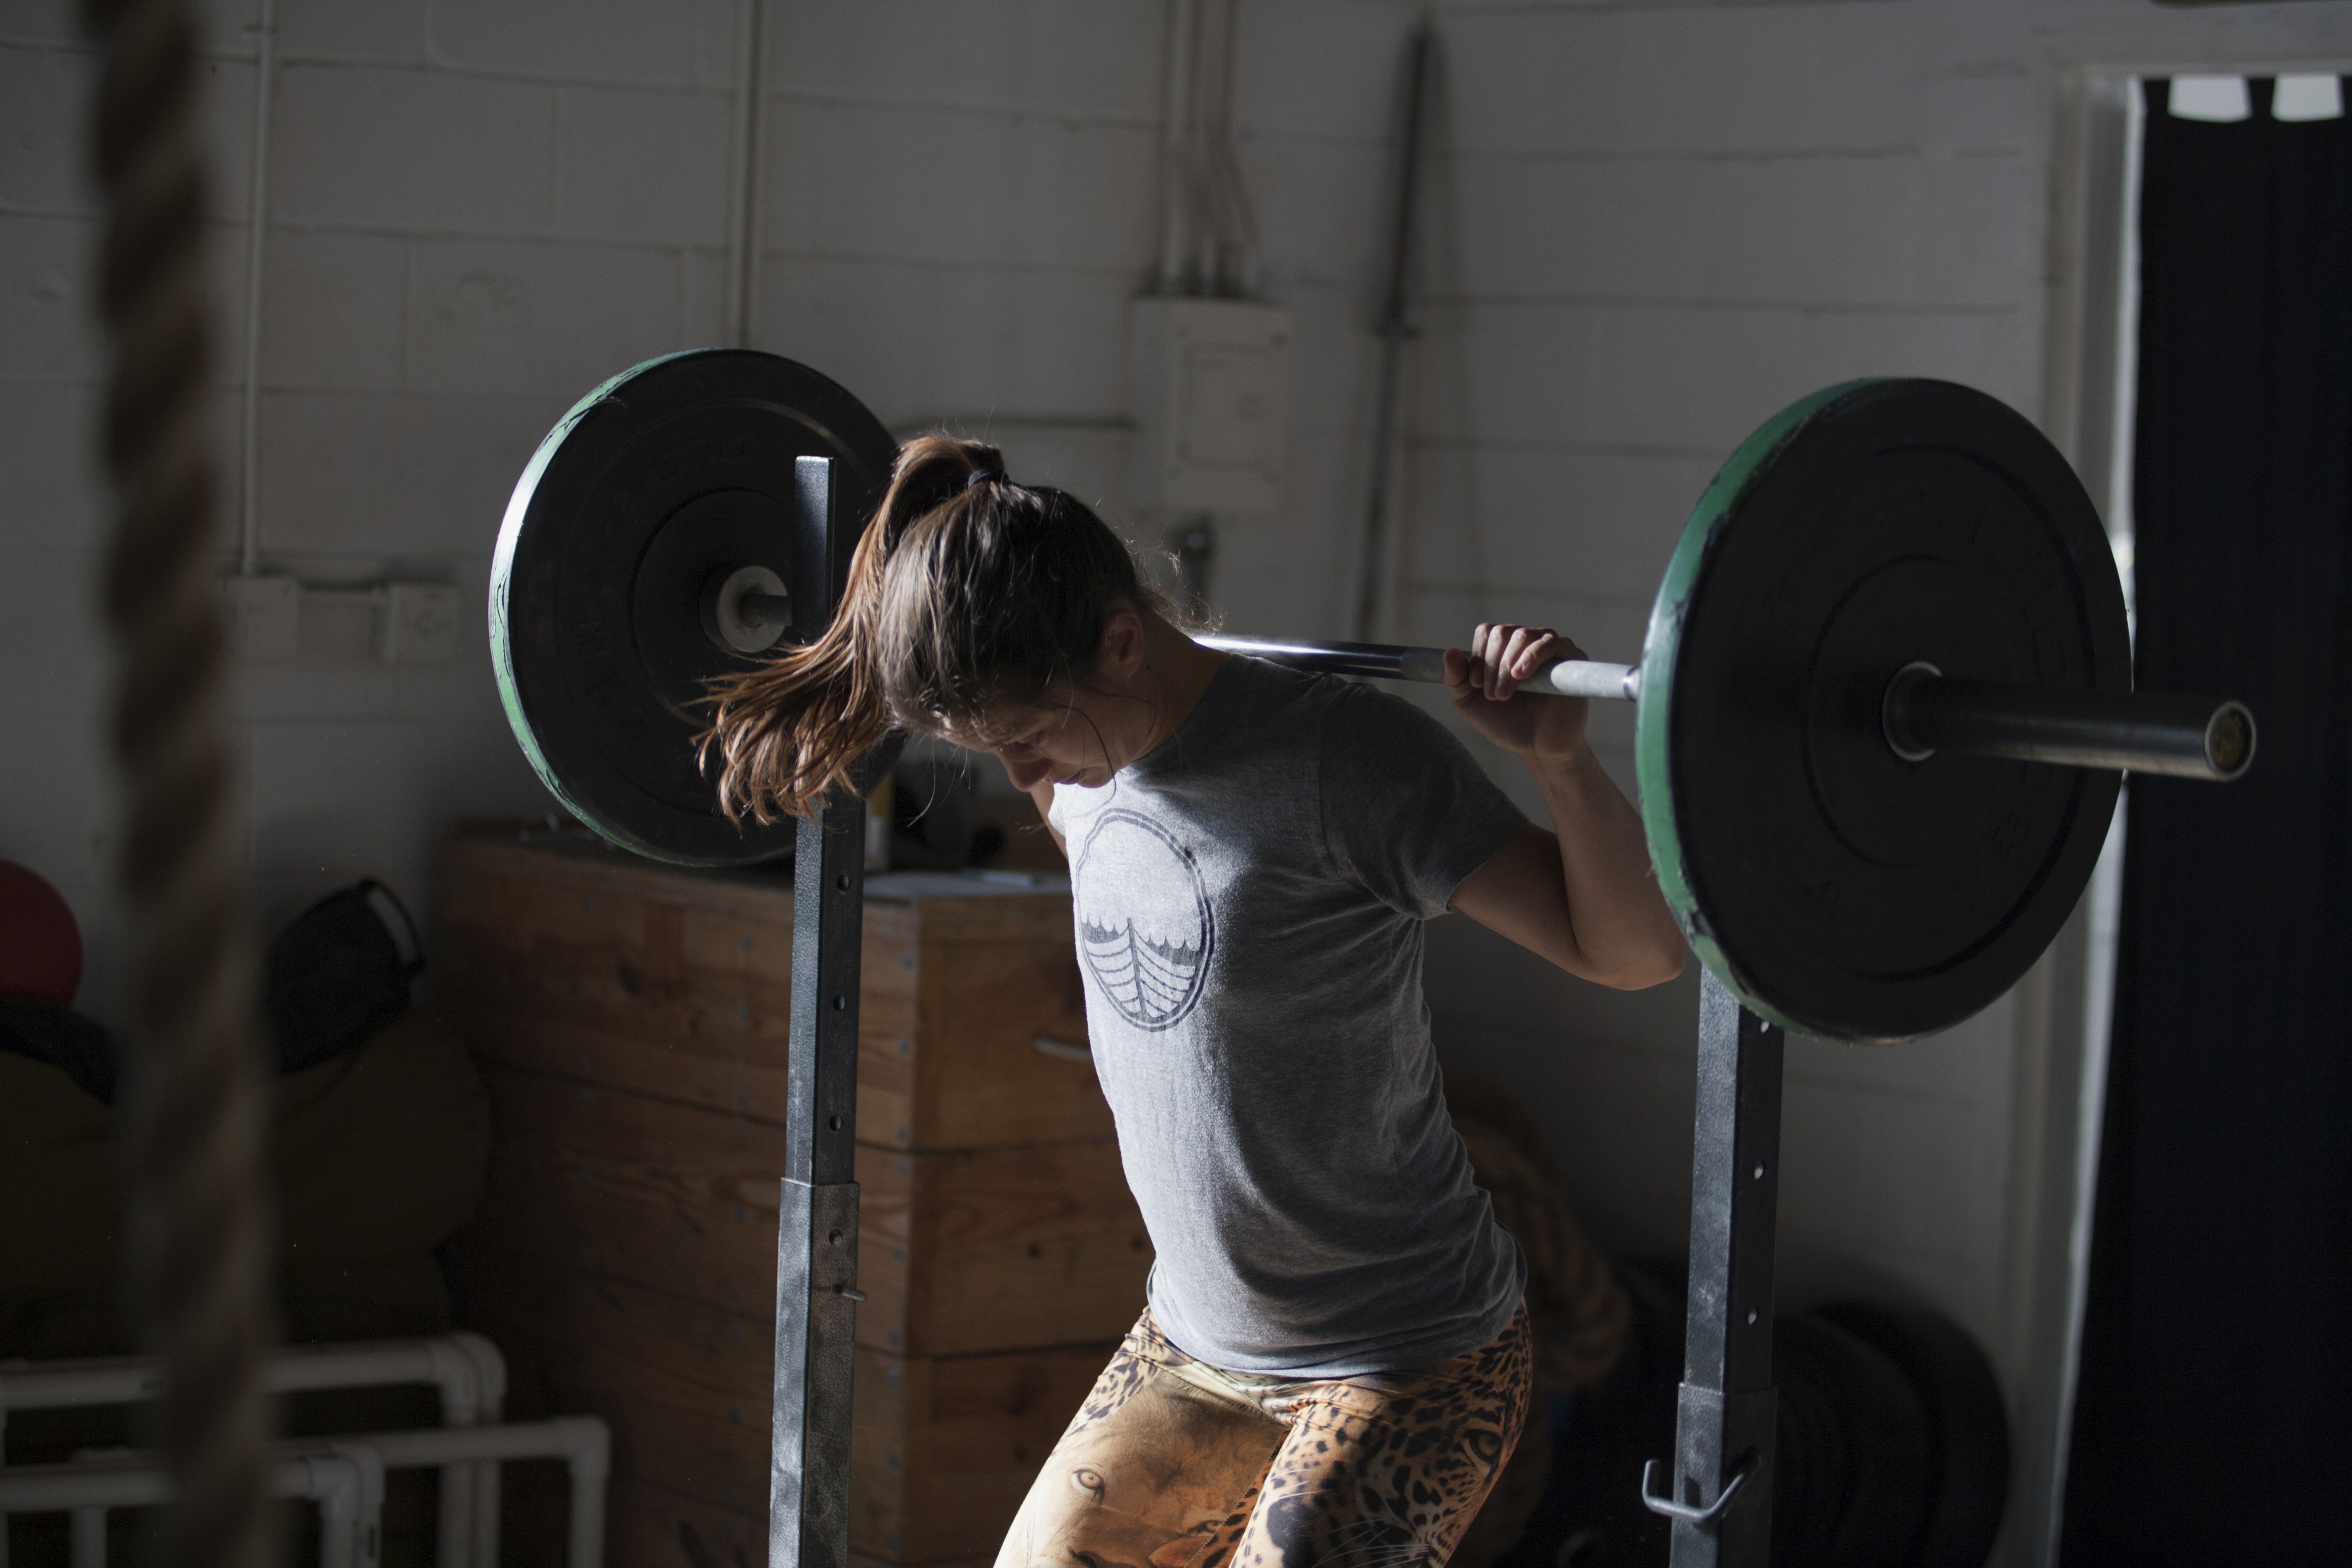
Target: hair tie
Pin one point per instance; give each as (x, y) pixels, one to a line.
(985, 476)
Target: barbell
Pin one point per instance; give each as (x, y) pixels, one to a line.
(1922, 712)
(1881, 707)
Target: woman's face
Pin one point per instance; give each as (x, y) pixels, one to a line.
(1080, 737)
(1080, 734)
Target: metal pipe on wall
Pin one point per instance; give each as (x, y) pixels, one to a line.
(1396, 326)
(1208, 174)
(1208, 235)
(1228, 242)
(1175, 167)
(265, 68)
(743, 200)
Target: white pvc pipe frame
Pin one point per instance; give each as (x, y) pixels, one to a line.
(467, 1369)
(346, 1482)
(345, 1475)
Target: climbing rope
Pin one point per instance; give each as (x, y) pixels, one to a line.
(194, 1118)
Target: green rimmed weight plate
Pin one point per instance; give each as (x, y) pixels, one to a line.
(658, 485)
(1836, 888)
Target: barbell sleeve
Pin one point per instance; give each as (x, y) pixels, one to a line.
(1390, 661)
(2141, 732)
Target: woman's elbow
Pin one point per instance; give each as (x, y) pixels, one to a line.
(1650, 969)
(1668, 966)
(1631, 972)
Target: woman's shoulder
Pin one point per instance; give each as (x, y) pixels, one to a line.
(1271, 706)
(1256, 698)
(1272, 688)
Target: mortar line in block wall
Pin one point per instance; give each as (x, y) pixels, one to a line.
(1719, 305)
(1545, 448)
(1887, 152)
(493, 75)
(1068, 119)
(552, 238)
(1120, 271)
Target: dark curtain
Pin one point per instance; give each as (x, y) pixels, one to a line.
(2213, 1417)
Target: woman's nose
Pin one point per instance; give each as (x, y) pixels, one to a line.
(1026, 776)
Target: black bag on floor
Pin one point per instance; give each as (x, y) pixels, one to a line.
(337, 976)
(74, 1044)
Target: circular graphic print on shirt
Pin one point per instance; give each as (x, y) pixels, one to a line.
(1144, 928)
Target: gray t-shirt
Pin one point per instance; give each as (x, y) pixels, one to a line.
(1249, 900)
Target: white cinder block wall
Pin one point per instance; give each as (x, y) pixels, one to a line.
(475, 215)
(960, 200)
(479, 207)
(1649, 226)
(1660, 225)
(1655, 225)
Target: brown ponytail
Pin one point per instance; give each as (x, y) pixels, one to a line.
(966, 590)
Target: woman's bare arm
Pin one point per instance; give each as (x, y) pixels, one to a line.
(1584, 896)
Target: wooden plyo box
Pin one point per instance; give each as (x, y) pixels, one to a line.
(631, 1024)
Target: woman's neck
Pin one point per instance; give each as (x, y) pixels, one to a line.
(1180, 670)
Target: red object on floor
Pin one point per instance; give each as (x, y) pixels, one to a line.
(40, 944)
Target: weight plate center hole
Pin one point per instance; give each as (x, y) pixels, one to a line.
(1895, 710)
(745, 610)
(1894, 806)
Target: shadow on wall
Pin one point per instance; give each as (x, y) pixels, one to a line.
(1895, 1157)
(1893, 1448)
(1607, 1075)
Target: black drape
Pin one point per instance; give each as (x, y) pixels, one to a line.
(2213, 1417)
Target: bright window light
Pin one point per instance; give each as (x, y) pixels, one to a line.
(2215, 98)
(2307, 98)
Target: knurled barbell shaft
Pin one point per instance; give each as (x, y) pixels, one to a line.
(1561, 678)
(2143, 731)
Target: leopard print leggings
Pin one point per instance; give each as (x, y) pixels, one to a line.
(1171, 1463)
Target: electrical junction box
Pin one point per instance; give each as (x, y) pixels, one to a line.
(1208, 388)
(277, 619)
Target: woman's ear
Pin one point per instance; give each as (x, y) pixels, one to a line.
(1122, 644)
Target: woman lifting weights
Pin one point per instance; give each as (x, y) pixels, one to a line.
(1334, 1361)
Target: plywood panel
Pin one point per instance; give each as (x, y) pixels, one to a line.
(961, 1251)
(687, 1388)
(998, 1249)
(942, 1451)
(633, 1024)
(679, 984)
(980, 1079)
(648, 1526)
(642, 1189)
(748, 1080)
